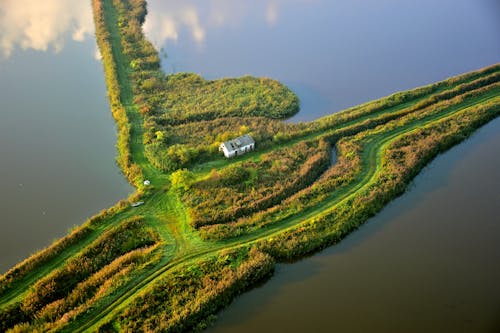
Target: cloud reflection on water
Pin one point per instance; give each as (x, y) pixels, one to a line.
(164, 25)
(166, 19)
(43, 25)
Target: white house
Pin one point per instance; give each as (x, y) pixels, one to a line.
(238, 146)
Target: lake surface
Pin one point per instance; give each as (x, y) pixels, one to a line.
(57, 137)
(429, 261)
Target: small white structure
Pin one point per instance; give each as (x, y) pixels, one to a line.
(238, 146)
(147, 182)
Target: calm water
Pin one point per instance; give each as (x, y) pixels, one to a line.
(429, 261)
(57, 136)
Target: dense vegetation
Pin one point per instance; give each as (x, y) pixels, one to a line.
(183, 300)
(350, 157)
(184, 98)
(176, 147)
(94, 270)
(248, 187)
(211, 228)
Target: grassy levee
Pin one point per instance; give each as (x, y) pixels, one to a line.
(419, 95)
(376, 112)
(116, 65)
(389, 113)
(393, 137)
(330, 227)
(129, 235)
(373, 154)
(486, 94)
(15, 282)
(161, 202)
(367, 172)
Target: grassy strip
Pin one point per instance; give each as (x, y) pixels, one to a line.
(401, 98)
(59, 314)
(390, 180)
(113, 309)
(34, 267)
(202, 289)
(112, 244)
(114, 86)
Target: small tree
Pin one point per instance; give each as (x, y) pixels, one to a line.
(159, 135)
(244, 129)
(182, 179)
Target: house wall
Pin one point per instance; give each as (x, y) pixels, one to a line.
(240, 151)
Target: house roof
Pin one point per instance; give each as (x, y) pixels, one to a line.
(238, 142)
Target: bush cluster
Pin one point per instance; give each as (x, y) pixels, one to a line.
(128, 236)
(245, 188)
(183, 300)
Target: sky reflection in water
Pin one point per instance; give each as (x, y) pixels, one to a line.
(42, 25)
(167, 18)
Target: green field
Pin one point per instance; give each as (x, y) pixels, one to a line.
(173, 262)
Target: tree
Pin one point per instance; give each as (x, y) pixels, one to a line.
(159, 135)
(182, 179)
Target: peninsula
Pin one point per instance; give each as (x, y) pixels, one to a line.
(208, 227)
